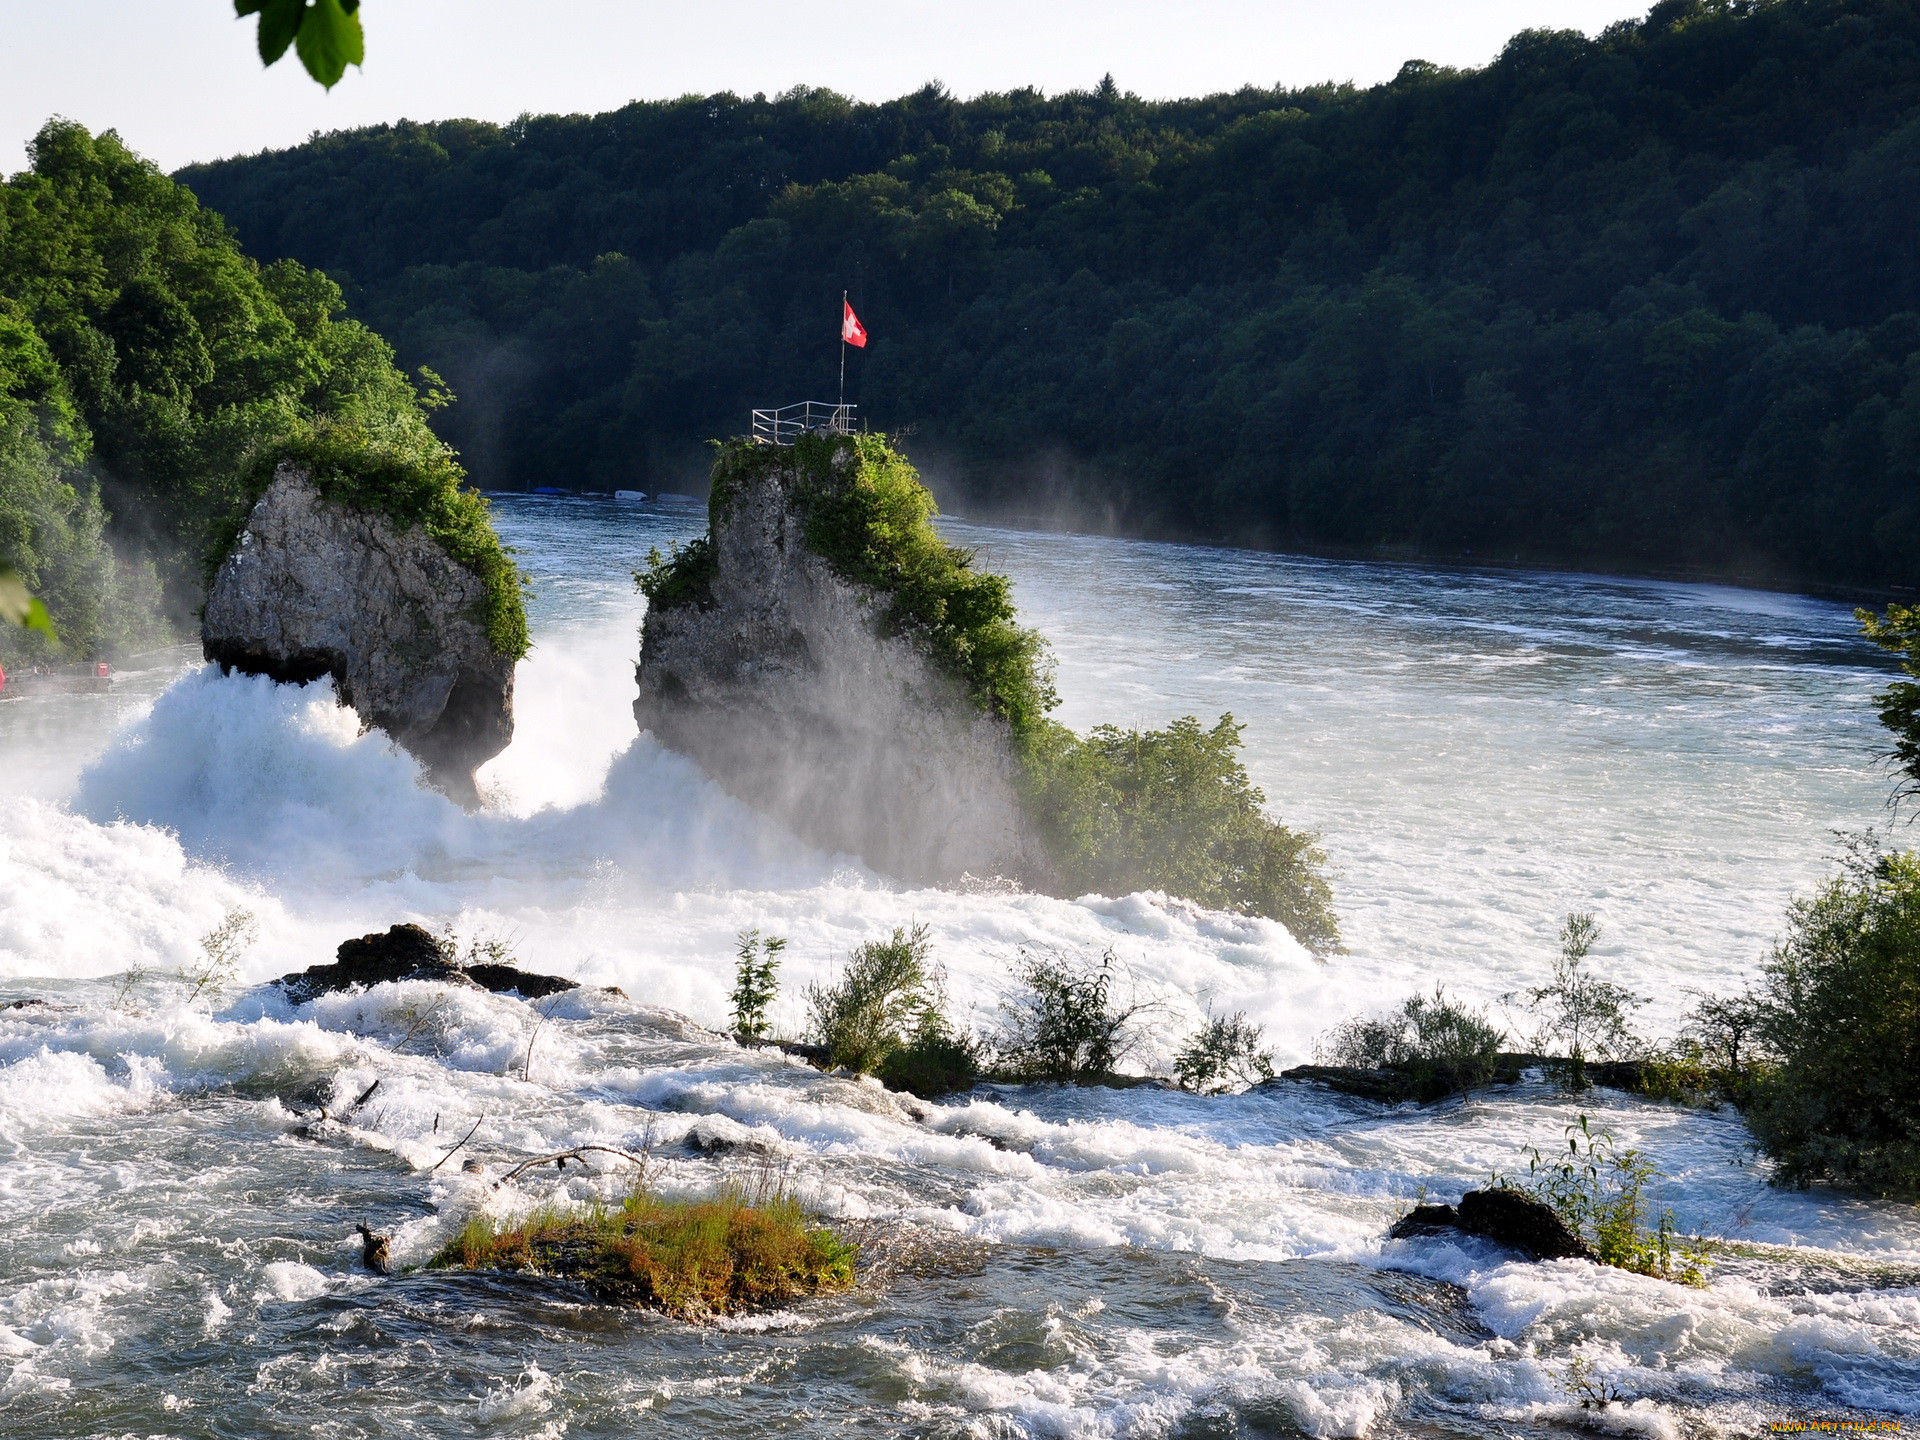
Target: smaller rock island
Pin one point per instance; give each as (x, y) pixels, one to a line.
(314, 586)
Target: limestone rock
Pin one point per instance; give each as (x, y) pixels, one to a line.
(313, 588)
(782, 685)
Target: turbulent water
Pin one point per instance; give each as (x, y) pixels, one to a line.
(1482, 752)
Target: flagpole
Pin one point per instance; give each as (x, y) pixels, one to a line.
(843, 351)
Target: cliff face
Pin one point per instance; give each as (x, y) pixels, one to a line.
(778, 679)
(313, 588)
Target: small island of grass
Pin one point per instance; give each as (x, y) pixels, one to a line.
(693, 1259)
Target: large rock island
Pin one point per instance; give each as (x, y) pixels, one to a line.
(810, 695)
(315, 586)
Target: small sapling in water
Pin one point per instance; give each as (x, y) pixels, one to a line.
(756, 982)
(221, 949)
(1583, 1015)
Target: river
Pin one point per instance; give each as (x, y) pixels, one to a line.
(1481, 753)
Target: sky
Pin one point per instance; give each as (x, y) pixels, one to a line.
(181, 81)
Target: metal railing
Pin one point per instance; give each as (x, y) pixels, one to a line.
(809, 417)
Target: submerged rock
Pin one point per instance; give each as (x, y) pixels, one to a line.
(1507, 1217)
(780, 678)
(407, 952)
(314, 588)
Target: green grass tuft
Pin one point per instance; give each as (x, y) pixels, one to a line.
(693, 1259)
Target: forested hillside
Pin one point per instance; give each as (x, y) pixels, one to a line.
(150, 375)
(1649, 300)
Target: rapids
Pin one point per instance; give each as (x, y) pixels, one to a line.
(1482, 751)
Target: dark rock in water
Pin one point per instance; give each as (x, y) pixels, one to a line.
(789, 685)
(1617, 1074)
(407, 952)
(710, 1140)
(373, 1251)
(313, 588)
(1504, 1216)
(1424, 1081)
(1425, 1220)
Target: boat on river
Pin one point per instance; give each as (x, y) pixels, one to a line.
(91, 677)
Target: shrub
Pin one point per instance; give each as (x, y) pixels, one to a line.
(934, 1062)
(1174, 810)
(1225, 1051)
(1441, 1045)
(1582, 1015)
(692, 1259)
(1841, 1012)
(684, 575)
(755, 982)
(1064, 1024)
(221, 950)
(885, 995)
(1600, 1191)
(1899, 631)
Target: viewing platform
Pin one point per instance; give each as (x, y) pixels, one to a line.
(806, 417)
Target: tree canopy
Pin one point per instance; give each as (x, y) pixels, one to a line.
(1643, 300)
(150, 375)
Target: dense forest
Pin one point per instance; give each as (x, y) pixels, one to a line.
(1646, 300)
(150, 376)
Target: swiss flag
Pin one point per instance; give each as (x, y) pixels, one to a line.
(851, 330)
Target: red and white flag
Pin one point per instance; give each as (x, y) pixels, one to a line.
(851, 330)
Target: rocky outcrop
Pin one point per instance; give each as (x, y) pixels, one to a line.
(1504, 1216)
(778, 677)
(407, 952)
(313, 588)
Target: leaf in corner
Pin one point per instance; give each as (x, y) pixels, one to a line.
(329, 41)
(279, 21)
(19, 607)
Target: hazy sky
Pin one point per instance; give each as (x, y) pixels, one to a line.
(180, 79)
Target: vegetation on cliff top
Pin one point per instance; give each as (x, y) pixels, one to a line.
(1119, 810)
(1639, 299)
(150, 374)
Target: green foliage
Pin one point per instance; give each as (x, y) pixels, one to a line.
(1173, 810)
(325, 34)
(1899, 631)
(1583, 1017)
(1225, 1052)
(150, 373)
(221, 950)
(886, 994)
(1600, 1191)
(1442, 1046)
(934, 1061)
(408, 475)
(1625, 300)
(869, 517)
(756, 982)
(19, 606)
(694, 1259)
(1841, 1012)
(1064, 1023)
(683, 576)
